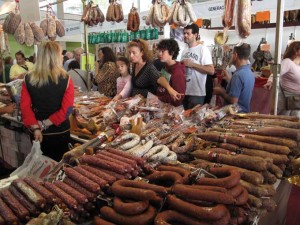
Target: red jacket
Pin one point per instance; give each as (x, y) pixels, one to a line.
(177, 82)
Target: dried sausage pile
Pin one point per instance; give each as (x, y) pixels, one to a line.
(114, 12)
(133, 23)
(92, 14)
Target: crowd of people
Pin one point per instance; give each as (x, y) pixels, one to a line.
(48, 88)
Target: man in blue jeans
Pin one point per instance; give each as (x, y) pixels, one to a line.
(239, 89)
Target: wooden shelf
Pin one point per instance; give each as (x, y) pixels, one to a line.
(262, 26)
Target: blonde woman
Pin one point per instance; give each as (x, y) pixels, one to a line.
(46, 101)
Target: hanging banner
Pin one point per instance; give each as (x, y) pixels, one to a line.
(74, 28)
(31, 13)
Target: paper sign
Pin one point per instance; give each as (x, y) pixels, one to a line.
(32, 13)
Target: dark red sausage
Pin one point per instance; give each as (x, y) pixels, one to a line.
(7, 214)
(108, 158)
(127, 160)
(82, 180)
(20, 211)
(183, 172)
(140, 161)
(100, 221)
(90, 195)
(98, 172)
(236, 190)
(174, 177)
(117, 175)
(101, 182)
(130, 208)
(242, 198)
(40, 189)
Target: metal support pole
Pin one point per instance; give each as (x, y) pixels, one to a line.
(277, 58)
(86, 46)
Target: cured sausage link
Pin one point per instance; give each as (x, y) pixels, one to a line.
(205, 213)
(183, 172)
(7, 214)
(130, 208)
(165, 176)
(101, 182)
(90, 195)
(109, 178)
(145, 218)
(120, 158)
(140, 161)
(110, 159)
(100, 221)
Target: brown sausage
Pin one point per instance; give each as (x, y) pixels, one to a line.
(130, 208)
(82, 180)
(186, 148)
(269, 178)
(210, 188)
(101, 182)
(228, 13)
(89, 195)
(254, 201)
(238, 216)
(100, 221)
(27, 204)
(40, 189)
(269, 204)
(13, 203)
(259, 190)
(128, 167)
(66, 198)
(183, 172)
(236, 190)
(189, 192)
(159, 176)
(110, 179)
(145, 218)
(30, 193)
(230, 178)
(117, 175)
(79, 197)
(120, 158)
(133, 193)
(244, 18)
(242, 198)
(202, 213)
(140, 161)
(7, 214)
(130, 21)
(101, 163)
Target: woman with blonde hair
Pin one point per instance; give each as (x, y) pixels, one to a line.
(47, 99)
(145, 77)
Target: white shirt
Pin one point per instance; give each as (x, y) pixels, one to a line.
(195, 81)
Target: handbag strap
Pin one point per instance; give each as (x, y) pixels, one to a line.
(81, 78)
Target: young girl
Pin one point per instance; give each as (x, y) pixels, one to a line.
(124, 81)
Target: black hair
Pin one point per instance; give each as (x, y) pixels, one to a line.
(73, 65)
(64, 52)
(126, 61)
(194, 27)
(243, 51)
(20, 53)
(108, 55)
(171, 45)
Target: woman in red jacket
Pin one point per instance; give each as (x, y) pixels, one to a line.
(174, 71)
(47, 99)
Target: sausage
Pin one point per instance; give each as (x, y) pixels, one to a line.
(269, 178)
(189, 192)
(130, 208)
(109, 12)
(162, 177)
(183, 16)
(259, 190)
(66, 198)
(79, 197)
(89, 195)
(254, 201)
(171, 157)
(120, 158)
(247, 162)
(210, 188)
(139, 161)
(26, 203)
(130, 21)
(98, 172)
(169, 217)
(276, 170)
(169, 138)
(13, 203)
(183, 172)
(145, 218)
(100, 221)
(190, 11)
(269, 204)
(136, 21)
(117, 175)
(101, 182)
(82, 180)
(128, 167)
(228, 13)
(204, 213)
(243, 197)
(238, 216)
(50, 197)
(244, 18)
(142, 150)
(236, 190)
(91, 160)
(175, 14)
(230, 178)
(30, 193)
(131, 140)
(7, 214)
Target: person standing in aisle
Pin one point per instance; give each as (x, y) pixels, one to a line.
(21, 68)
(198, 61)
(77, 54)
(47, 99)
(173, 71)
(78, 76)
(106, 72)
(145, 77)
(240, 87)
(124, 81)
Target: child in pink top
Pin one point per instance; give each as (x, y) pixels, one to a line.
(124, 81)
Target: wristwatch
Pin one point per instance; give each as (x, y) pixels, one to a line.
(44, 126)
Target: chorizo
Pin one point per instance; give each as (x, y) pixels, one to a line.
(205, 213)
(94, 161)
(101, 221)
(130, 21)
(140, 161)
(186, 148)
(120, 158)
(117, 175)
(13, 203)
(110, 12)
(254, 201)
(145, 218)
(130, 208)
(236, 190)
(7, 214)
(82, 180)
(164, 177)
(244, 18)
(189, 192)
(136, 23)
(238, 216)
(26, 203)
(101, 182)
(259, 190)
(30, 193)
(66, 198)
(98, 172)
(229, 178)
(243, 197)
(79, 197)
(50, 197)
(210, 188)
(269, 204)
(183, 172)
(228, 13)
(89, 195)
